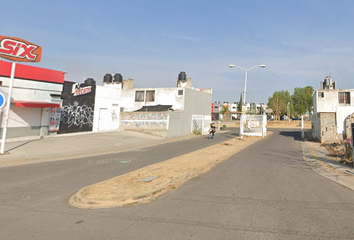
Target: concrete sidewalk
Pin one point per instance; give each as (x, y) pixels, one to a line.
(77, 145)
(321, 162)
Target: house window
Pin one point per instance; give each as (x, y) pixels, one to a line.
(344, 97)
(139, 96)
(150, 96)
(180, 92)
(320, 94)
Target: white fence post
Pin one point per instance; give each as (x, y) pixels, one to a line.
(264, 126)
(241, 126)
(302, 128)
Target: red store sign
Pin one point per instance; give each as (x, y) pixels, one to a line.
(17, 49)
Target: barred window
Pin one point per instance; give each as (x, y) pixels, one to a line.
(150, 96)
(344, 97)
(320, 94)
(139, 96)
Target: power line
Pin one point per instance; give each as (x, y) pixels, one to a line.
(254, 82)
(278, 76)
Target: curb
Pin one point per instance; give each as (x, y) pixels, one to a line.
(321, 166)
(10, 162)
(78, 200)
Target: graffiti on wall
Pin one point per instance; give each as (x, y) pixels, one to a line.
(145, 120)
(114, 116)
(77, 115)
(147, 116)
(145, 124)
(78, 107)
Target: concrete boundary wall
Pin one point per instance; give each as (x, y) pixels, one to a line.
(156, 123)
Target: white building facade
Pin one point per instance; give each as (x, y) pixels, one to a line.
(331, 108)
(35, 92)
(168, 112)
(107, 107)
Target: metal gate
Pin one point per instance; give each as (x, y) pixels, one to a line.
(253, 125)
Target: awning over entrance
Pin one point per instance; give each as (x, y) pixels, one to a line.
(36, 104)
(155, 108)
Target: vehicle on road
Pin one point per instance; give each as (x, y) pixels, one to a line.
(212, 131)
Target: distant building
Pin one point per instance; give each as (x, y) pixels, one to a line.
(215, 110)
(249, 108)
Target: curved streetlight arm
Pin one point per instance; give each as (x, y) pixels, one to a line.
(252, 68)
(231, 66)
(246, 70)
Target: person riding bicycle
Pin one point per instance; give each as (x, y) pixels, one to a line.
(212, 130)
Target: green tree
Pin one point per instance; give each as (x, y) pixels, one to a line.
(239, 107)
(278, 103)
(225, 112)
(303, 100)
(225, 109)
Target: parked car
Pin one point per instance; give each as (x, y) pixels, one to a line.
(296, 118)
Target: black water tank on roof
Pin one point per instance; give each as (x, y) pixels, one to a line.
(118, 78)
(182, 76)
(90, 81)
(107, 78)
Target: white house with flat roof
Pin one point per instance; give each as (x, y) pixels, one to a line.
(331, 108)
(169, 112)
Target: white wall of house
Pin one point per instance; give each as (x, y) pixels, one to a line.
(196, 102)
(342, 113)
(327, 101)
(163, 96)
(107, 108)
(233, 107)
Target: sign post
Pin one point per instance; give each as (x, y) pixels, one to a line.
(2, 101)
(16, 49)
(7, 111)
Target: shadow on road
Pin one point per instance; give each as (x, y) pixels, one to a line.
(295, 134)
(23, 144)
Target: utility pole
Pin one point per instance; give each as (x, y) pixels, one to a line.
(288, 106)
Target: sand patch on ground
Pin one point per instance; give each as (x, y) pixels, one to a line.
(145, 184)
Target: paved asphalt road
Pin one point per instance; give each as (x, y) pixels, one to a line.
(264, 192)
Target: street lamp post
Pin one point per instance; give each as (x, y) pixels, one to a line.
(288, 106)
(246, 70)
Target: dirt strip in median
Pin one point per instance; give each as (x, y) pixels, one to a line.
(145, 184)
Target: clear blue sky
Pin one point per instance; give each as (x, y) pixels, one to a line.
(300, 41)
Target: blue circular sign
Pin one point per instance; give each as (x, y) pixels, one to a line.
(2, 100)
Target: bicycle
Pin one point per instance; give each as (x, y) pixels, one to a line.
(211, 135)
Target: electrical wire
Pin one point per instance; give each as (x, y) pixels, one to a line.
(254, 82)
(278, 76)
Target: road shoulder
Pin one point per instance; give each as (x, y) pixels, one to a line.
(316, 156)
